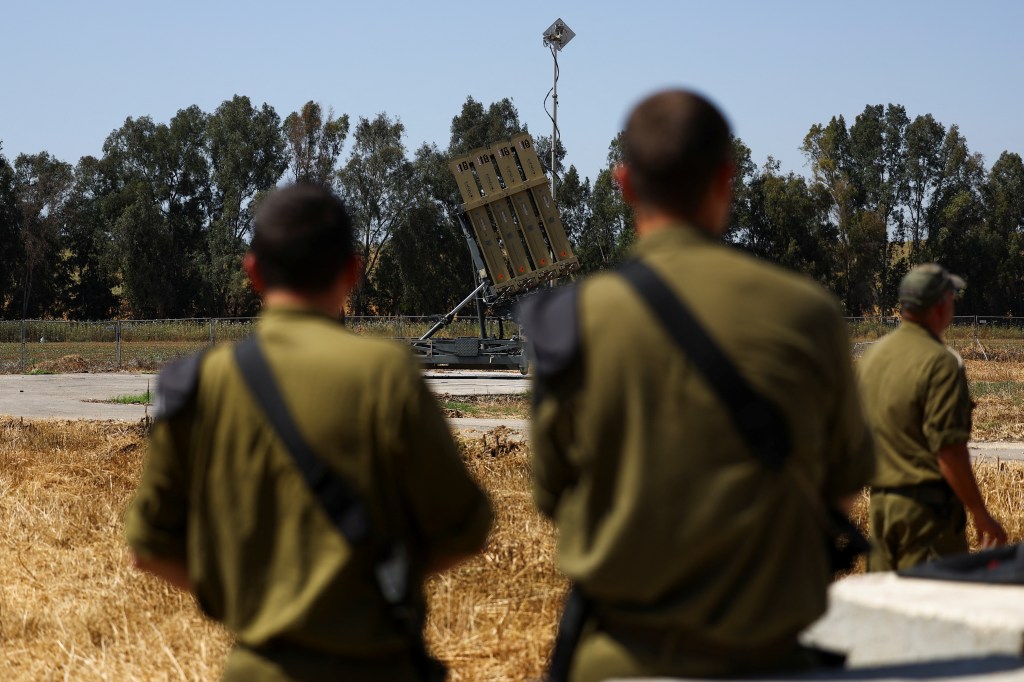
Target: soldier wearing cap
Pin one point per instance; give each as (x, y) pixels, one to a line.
(917, 402)
(696, 558)
(224, 511)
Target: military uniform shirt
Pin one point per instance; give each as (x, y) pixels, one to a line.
(665, 518)
(917, 401)
(220, 491)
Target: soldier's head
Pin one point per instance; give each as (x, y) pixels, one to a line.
(677, 161)
(302, 243)
(926, 295)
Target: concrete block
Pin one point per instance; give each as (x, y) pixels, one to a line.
(881, 619)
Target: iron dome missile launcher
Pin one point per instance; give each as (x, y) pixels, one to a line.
(517, 242)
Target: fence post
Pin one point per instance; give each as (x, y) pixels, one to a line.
(23, 346)
(213, 338)
(117, 343)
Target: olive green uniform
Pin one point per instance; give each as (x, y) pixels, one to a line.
(698, 559)
(220, 491)
(917, 402)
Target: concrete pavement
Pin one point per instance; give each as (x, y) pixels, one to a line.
(75, 396)
(80, 396)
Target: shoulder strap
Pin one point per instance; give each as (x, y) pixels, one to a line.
(759, 421)
(337, 498)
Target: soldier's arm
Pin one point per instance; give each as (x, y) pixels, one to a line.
(155, 522)
(955, 465)
(551, 321)
(550, 439)
(450, 513)
(947, 426)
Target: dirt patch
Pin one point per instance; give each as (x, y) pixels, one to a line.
(514, 406)
(67, 364)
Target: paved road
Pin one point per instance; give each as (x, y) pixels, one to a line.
(74, 396)
(79, 396)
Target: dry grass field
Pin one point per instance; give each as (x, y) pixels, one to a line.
(72, 609)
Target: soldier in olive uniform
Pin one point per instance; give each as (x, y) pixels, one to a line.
(222, 510)
(917, 402)
(697, 560)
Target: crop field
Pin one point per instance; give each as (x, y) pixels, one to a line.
(72, 608)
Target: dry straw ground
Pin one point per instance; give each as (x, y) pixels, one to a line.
(72, 609)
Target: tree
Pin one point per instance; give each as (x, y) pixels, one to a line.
(924, 175)
(11, 253)
(609, 233)
(377, 185)
(878, 154)
(476, 127)
(958, 236)
(248, 155)
(162, 204)
(314, 139)
(786, 222)
(426, 267)
(1003, 199)
(42, 185)
(88, 288)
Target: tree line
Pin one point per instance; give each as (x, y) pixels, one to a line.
(156, 226)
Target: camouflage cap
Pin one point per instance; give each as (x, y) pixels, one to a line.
(924, 286)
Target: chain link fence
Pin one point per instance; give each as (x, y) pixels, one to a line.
(60, 346)
(982, 337)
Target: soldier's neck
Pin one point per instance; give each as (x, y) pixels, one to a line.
(321, 302)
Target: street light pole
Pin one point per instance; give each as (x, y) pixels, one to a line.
(554, 124)
(556, 37)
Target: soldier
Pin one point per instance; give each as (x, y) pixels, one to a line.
(301, 539)
(918, 405)
(698, 549)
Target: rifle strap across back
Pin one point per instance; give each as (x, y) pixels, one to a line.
(335, 495)
(759, 421)
(347, 512)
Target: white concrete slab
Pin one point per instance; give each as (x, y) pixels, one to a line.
(987, 669)
(80, 396)
(881, 619)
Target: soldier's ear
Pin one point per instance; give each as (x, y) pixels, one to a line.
(251, 266)
(352, 273)
(625, 182)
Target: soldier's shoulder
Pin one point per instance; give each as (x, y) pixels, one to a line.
(550, 320)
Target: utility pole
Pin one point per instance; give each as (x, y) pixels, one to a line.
(556, 37)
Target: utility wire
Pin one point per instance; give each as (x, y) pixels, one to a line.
(557, 131)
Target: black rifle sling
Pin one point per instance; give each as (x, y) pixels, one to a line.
(337, 498)
(758, 420)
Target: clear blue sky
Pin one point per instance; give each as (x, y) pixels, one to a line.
(73, 71)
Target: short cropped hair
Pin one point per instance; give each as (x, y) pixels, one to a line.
(302, 238)
(674, 143)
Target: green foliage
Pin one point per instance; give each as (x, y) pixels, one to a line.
(11, 252)
(377, 183)
(315, 138)
(133, 399)
(157, 226)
